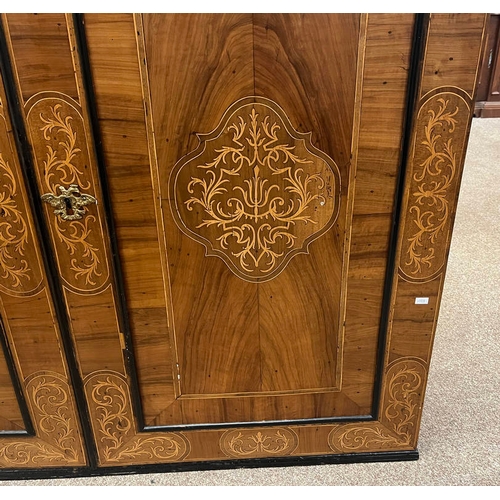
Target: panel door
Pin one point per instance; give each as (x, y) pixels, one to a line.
(253, 213)
(256, 204)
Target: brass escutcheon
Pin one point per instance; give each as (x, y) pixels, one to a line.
(70, 203)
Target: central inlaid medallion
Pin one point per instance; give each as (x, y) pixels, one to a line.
(255, 192)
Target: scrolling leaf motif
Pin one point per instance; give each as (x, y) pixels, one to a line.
(54, 420)
(38, 452)
(13, 230)
(114, 424)
(431, 208)
(50, 400)
(112, 414)
(60, 169)
(257, 193)
(405, 381)
(264, 442)
(152, 448)
(74, 236)
(61, 160)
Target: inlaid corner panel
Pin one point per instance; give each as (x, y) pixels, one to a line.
(220, 197)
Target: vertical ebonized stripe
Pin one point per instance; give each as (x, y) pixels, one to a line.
(121, 304)
(414, 75)
(25, 154)
(18, 389)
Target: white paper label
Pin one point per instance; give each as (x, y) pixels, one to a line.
(421, 300)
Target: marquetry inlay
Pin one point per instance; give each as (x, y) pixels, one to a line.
(438, 151)
(118, 441)
(398, 425)
(14, 269)
(277, 441)
(222, 371)
(62, 155)
(57, 442)
(17, 272)
(256, 191)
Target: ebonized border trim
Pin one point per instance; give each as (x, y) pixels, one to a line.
(346, 458)
(414, 75)
(29, 430)
(117, 279)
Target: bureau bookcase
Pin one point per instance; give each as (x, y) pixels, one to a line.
(223, 238)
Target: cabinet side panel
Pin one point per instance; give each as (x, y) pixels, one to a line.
(439, 135)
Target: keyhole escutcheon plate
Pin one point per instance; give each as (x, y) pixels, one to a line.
(70, 204)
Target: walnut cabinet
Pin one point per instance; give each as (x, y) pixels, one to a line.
(223, 238)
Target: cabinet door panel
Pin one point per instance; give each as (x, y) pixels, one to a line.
(32, 336)
(300, 342)
(239, 376)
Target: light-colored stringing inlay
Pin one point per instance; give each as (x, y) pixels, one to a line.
(277, 441)
(436, 177)
(57, 442)
(255, 192)
(398, 426)
(13, 231)
(113, 424)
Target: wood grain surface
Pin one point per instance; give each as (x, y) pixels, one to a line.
(203, 291)
(439, 139)
(280, 351)
(459, 67)
(10, 414)
(214, 343)
(58, 127)
(42, 54)
(130, 167)
(31, 330)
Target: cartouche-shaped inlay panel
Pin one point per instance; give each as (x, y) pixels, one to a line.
(255, 192)
(63, 160)
(440, 143)
(20, 271)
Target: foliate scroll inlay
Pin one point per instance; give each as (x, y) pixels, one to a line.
(113, 423)
(438, 151)
(20, 271)
(57, 442)
(49, 396)
(269, 441)
(401, 407)
(14, 267)
(63, 163)
(255, 192)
